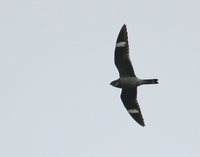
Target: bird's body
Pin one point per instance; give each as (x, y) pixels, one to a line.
(128, 81)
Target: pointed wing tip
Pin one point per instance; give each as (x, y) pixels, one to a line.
(138, 118)
(123, 35)
(143, 125)
(139, 121)
(124, 27)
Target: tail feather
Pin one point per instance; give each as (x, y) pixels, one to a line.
(150, 81)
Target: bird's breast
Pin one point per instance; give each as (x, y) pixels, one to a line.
(129, 82)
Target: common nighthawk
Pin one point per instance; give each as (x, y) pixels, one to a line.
(128, 81)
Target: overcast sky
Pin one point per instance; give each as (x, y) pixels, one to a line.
(56, 63)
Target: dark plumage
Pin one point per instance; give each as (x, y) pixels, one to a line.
(128, 81)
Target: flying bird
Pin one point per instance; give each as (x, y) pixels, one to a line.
(128, 81)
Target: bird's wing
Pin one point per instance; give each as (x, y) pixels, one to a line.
(129, 99)
(122, 60)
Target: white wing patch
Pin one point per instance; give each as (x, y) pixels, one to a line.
(133, 111)
(121, 44)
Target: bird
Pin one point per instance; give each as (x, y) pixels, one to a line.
(128, 81)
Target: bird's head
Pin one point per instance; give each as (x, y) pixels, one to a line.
(115, 83)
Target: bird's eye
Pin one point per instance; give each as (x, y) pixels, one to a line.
(116, 84)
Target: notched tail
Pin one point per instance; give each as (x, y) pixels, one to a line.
(150, 81)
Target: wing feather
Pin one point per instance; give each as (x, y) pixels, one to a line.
(129, 99)
(122, 60)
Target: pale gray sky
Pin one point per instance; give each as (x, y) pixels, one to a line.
(56, 63)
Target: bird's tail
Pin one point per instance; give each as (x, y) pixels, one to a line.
(150, 81)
